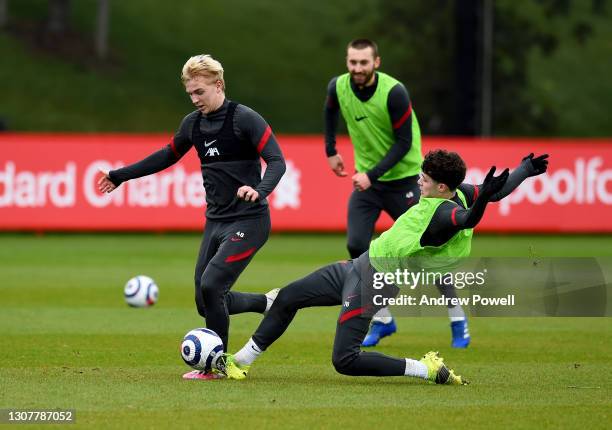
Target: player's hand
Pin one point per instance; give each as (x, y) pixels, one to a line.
(337, 165)
(535, 166)
(361, 182)
(247, 193)
(105, 185)
(493, 184)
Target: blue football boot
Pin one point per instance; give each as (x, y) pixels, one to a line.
(461, 335)
(377, 331)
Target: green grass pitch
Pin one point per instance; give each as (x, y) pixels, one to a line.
(67, 340)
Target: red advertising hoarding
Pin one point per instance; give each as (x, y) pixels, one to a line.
(48, 182)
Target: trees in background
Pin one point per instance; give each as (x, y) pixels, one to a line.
(447, 66)
(57, 25)
(3, 13)
(473, 67)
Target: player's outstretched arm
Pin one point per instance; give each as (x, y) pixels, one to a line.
(530, 166)
(157, 161)
(154, 163)
(469, 218)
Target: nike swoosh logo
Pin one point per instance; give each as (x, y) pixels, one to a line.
(207, 144)
(360, 118)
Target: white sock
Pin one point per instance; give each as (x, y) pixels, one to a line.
(383, 316)
(456, 313)
(248, 354)
(415, 368)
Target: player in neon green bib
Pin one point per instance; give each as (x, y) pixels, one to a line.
(386, 140)
(440, 225)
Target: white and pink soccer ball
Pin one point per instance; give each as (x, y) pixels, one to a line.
(141, 292)
(201, 348)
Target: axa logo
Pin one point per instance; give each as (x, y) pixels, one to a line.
(211, 152)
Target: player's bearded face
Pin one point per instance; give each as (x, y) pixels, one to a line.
(361, 65)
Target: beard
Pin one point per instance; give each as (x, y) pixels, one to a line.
(361, 79)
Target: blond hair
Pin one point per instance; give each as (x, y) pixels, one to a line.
(203, 65)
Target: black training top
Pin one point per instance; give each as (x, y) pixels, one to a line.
(229, 142)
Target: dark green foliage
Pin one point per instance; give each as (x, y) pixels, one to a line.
(521, 30)
(551, 62)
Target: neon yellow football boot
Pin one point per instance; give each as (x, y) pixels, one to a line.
(228, 366)
(437, 371)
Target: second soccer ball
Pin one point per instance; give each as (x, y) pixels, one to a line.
(141, 292)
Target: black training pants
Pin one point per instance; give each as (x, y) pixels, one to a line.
(226, 250)
(345, 283)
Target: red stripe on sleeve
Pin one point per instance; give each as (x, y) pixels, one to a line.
(476, 191)
(264, 139)
(241, 256)
(173, 148)
(350, 314)
(397, 124)
(453, 219)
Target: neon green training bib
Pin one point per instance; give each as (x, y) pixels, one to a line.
(371, 130)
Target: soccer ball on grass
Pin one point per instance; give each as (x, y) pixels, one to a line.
(141, 292)
(201, 348)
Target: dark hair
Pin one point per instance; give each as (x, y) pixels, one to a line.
(444, 167)
(362, 44)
